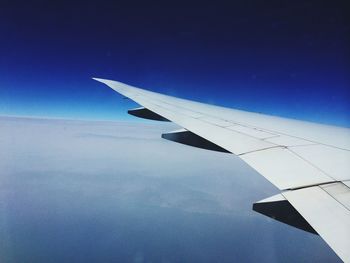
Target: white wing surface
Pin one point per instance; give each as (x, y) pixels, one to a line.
(309, 162)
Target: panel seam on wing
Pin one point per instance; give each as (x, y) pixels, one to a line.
(308, 186)
(336, 198)
(259, 150)
(318, 186)
(310, 163)
(242, 124)
(249, 126)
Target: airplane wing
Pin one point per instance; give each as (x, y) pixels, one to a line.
(308, 162)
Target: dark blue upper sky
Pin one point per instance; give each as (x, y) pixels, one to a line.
(287, 58)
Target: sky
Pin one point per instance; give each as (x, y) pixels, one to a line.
(92, 191)
(285, 58)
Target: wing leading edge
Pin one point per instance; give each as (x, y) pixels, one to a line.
(309, 162)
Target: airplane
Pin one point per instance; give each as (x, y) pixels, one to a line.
(308, 162)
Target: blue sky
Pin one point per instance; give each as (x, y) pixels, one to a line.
(288, 59)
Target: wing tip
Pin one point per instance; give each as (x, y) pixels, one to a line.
(109, 82)
(99, 79)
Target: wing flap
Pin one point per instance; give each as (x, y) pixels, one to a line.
(288, 141)
(332, 161)
(256, 133)
(285, 169)
(329, 217)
